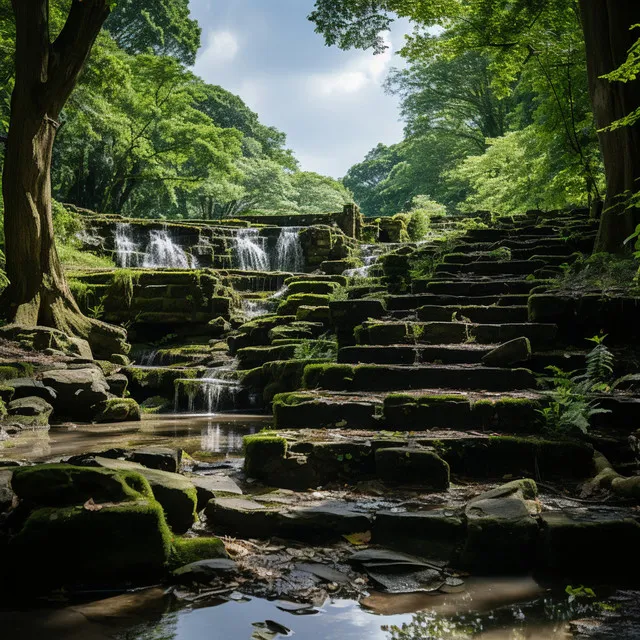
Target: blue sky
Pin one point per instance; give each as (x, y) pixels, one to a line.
(329, 102)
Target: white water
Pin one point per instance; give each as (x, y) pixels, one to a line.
(370, 254)
(216, 390)
(249, 250)
(127, 251)
(162, 252)
(289, 255)
(256, 308)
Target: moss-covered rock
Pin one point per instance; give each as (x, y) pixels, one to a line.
(76, 546)
(16, 370)
(158, 381)
(31, 412)
(188, 550)
(260, 452)
(65, 485)
(117, 410)
(174, 492)
(312, 286)
(290, 305)
(410, 465)
(313, 314)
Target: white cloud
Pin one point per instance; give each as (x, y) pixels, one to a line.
(222, 46)
(364, 71)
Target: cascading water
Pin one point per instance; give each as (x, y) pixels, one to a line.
(249, 250)
(370, 254)
(127, 251)
(214, 392)
(162, 252)
(289, 255)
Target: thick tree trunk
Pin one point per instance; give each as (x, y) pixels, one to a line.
(608, 36)
(45, 76)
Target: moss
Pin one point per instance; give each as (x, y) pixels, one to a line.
(156, 404)
(291, 304)
(63, 484)
(328, 376)
(188, 550)
(117, 410)
(444, 398)
(16, 370)
(130, 543)
(260, 450)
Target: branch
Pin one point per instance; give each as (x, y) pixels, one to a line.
(71, 49)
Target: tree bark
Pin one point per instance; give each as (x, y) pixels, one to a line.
(46, 73)
(608, 37)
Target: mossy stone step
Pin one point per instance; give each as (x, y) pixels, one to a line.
(504, 414)
(475, 288)
(414, 301)
(475, 313)
(494, 268)
(408, 355)
(438, 333)
(146, 382)
(372, 377)
(310, 411)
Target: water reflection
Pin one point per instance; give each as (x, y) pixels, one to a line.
(207, 435)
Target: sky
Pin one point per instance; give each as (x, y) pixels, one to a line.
(330, 103)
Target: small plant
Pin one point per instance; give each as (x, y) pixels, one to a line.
(571, 400)
(97, 310)
(339, 293)
(501, 253)
(575, 593)
(316, 350)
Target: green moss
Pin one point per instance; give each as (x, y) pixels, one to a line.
(118, 410)
(313, 287)
(16, 370)
(129, 543)
(291, 304)
(188, 550)
(444, 398)
(260, 450)
(329, 376)
(156, 404)
(71, 256)
(63, 484)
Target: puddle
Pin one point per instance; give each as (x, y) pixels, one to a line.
(208, 437)
(490, 609)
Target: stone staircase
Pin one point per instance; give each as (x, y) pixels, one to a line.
(435, 388)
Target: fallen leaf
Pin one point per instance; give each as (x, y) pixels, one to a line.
(358, 539)
(90, 505)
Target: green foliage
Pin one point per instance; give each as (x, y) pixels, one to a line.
(571, 400)
(316, 350)
(601, 272)
(423, 207)
(501, 253)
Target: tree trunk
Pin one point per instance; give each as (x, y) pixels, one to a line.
(46, 74)
(608, 37)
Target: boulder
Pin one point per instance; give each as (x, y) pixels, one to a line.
(116, 410)
(90, 547)
(205, 570)
(78, 390)
(43, 338)
(30, 412)
(62, 485)
(411, 465)
(501, 531)
(509, 353)
(25, 387)
(118, 383)
(174, 492)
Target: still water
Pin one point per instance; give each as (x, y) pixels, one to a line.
(489, 609)
(205, 437)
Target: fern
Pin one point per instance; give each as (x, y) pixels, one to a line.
(599, 361)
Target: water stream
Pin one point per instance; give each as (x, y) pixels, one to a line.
(250, 251)
(489, 609)
(162, 252)
(289, 254)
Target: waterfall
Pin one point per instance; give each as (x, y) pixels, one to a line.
(249, 250)
(256, 308)
(289, 255)
(215, 391)
(370, 254)
(127, 251)
(162, 252)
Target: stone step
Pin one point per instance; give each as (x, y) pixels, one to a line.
(414, 301)
(474, 313)
(495, 268)
(415, 333)
(470, 287)
(378, 377)
(462, 256)
(453, 354)
(307, 458)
